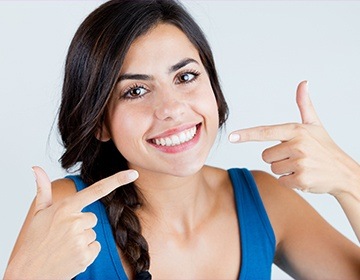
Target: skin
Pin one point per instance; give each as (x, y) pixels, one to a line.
(165, 102)
(187, 204)
(55, 221)
(306, 155)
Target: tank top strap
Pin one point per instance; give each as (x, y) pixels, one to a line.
(79, 183)
(256, 233)
(257, 236)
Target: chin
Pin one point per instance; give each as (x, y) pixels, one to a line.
(186, 170)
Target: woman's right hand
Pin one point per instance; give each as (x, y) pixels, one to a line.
(60, 242)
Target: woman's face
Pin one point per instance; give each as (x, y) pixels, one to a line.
(163, 116)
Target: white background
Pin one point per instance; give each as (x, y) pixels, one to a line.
(262, 49)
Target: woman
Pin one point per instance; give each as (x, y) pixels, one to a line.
(141, 93)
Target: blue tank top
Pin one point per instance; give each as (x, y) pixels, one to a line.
(256, 234)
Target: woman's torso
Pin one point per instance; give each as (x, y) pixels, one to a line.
(237, 241)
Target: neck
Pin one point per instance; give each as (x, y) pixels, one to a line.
(179, 203)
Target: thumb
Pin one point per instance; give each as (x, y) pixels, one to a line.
(307, 110)
(43, 189)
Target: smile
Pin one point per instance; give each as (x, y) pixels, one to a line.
(176, 139)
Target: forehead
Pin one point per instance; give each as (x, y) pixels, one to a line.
(163, 45)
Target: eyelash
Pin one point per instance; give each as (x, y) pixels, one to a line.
(127, 91)
(192, 72)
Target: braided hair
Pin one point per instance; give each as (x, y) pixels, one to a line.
(93, 63)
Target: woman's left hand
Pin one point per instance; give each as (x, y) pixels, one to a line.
(307, 158)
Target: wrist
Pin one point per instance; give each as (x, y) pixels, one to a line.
(11, 273)
(21, 268)
(351, 182)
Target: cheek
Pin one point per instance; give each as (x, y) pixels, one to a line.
(207, 103)
(122, 128)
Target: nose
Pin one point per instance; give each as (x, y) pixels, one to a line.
(170, 106)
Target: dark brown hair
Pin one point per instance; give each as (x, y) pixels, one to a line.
(93, 63)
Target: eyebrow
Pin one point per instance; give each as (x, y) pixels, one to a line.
(135, 77)
(146, 77)
(181, 64)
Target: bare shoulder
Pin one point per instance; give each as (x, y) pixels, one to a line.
(272, 191)
(281, 203)
(286, 209)
(307, 246)
(62, 188)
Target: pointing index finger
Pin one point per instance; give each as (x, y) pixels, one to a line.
(103, 188)
(282, 132)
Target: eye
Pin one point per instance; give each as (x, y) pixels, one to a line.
(187, 77)
(135, 92)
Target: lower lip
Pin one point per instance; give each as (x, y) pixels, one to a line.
(182, 147)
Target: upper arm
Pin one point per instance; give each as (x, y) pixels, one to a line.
(307, 246)
(61, 189)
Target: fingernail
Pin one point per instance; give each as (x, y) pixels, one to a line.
(234, 137)
(133, 175)
(307, 85)
(33, 172)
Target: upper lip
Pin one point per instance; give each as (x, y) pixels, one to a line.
(173, 131)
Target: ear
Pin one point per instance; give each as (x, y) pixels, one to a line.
(102, 134)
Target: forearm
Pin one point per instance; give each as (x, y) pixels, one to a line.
(13, 272)
(24, 267)
(350, 200)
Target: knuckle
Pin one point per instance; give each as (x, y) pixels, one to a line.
(245, 136)
(79, 245)
(90, 254)
(300, 148)
(65, 205)
(84, 253)
(97, 247)
(92, 234)
(76, 224)
(250, 134)
(302, 165)
(274, 168)
(299, 164)
(83, 268)
(61, 211)
(265, 132)
(266, 155)
(84, 262)
(97, 189)
(93, 218)
(122, 178)
(300, 129)
(301, 179)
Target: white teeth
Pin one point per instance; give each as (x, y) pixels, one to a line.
(188, 134)
(182, 137)
(167, 141)
(176, 139)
